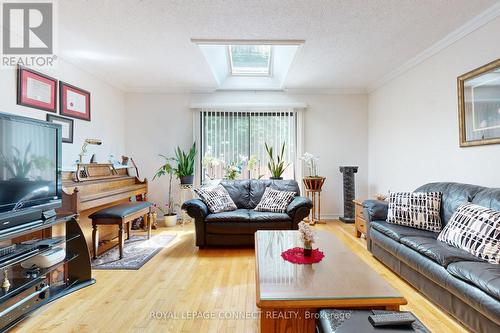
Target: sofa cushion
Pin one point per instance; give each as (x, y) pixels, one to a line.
(419, 210)
(245, 228)
(488, 197)
(239, 191)
(454, 194)
(216, 198)
(485, 276)
(257, 188)
(396, 231)
(239, 215)
(268, 216)
(440, 252)
(275, 201)
(474, 229)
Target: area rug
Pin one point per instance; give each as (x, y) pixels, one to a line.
(137, 251)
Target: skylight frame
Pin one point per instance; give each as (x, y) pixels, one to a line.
(250, 73)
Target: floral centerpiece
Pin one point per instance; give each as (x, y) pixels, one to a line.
(307, 237)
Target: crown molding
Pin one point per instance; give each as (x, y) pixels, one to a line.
(485, 17)
(326, 91)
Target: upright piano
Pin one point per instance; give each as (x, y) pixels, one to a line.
(84, 197)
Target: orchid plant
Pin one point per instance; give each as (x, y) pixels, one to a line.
(311, 163)
(210, 163)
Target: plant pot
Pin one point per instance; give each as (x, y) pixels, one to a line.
(276, 178)
(187, 180)
(167, 221)
(313, 183)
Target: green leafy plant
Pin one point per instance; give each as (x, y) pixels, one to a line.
(166, 169)
(19, 167)
(185, 162)
(278, 166)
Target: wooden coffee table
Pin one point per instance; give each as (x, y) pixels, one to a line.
(290, 295)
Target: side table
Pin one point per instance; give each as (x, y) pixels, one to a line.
(359, 219)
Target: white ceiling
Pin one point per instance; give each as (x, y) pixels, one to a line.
(145, 45)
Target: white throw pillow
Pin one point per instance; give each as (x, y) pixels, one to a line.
(275, 201)
(216, 198)
(418, 210)
(475, 229)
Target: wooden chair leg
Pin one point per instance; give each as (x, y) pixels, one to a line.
(120, 239)
(148, 220)
(95, 240)
(129, 224)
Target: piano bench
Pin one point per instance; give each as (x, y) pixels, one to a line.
(120, 215)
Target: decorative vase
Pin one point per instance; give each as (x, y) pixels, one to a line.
(169, 220)
(313, 183)
(276, 178)
(307, 249)
(187, 180)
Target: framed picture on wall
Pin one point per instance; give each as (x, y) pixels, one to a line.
(479, 105)
(74, 102)
(36, 90)
(67, 126)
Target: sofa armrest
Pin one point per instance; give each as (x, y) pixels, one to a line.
(297, 203)
(298, 209)
(196, 208)
(375, 210)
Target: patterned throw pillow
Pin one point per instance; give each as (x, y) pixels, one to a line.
(216, 198)
(275, 201)
(475, 229)
(418, 210)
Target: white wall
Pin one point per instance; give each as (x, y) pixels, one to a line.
(413, 122)
(335, 130)
(107, 110)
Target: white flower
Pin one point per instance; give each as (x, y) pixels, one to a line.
(306, 233)
(311, 162)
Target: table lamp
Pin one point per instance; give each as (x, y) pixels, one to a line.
(87, 142)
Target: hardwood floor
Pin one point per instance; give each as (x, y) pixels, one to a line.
(181, 283)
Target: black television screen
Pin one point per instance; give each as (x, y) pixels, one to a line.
(30, 163)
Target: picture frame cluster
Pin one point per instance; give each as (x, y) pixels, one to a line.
(39, 91)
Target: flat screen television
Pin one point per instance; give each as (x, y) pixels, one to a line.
(30, 170)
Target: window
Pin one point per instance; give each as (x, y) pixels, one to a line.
(250, 59)
(234, 142)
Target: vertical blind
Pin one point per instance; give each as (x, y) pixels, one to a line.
(235, 139)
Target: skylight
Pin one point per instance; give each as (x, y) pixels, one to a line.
(251, 60)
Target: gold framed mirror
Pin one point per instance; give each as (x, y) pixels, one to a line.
(479, 105)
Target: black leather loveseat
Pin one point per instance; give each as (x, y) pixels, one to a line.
(465, 286)
(237, 228)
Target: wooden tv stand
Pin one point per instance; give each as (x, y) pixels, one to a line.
(63, 278)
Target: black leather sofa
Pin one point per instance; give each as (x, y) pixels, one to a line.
(465, 286)
(237, 228)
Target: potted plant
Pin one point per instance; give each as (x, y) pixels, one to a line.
(185, 165)
(232, 171)
(312, 182)
(169, 216)
(276, 167)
